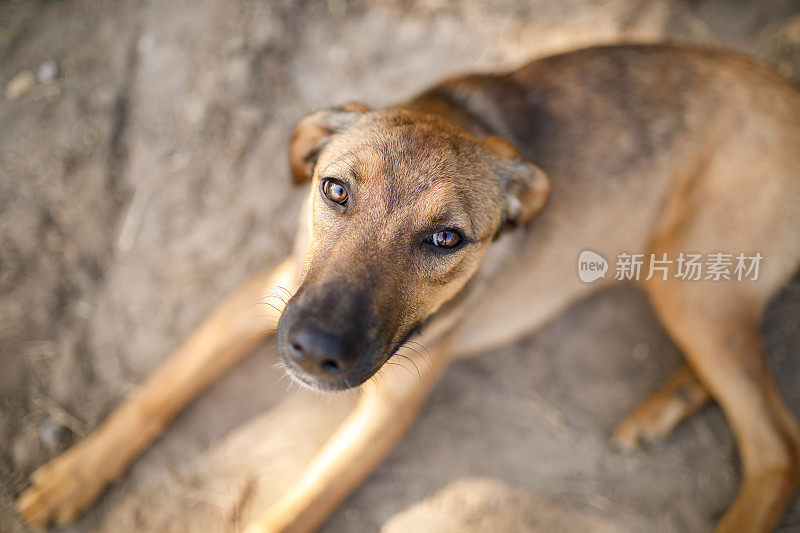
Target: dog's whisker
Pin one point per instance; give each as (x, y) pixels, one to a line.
(413, 363)
(287, 291)
(401, 366)
(420, 355)
(280, 311)
(280, 378)
(410, 348)
(262, 301)
(421, 346)
(376, 379)
(281, 365)
(351, 394)
(273, 295)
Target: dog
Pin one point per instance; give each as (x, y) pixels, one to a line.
(453, 222)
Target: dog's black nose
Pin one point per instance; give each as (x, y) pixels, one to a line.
(317, 352)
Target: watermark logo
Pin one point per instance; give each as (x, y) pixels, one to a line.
(591, 266)
(683, 266)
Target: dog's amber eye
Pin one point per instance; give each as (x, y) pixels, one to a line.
(446, 239)
(335, 191)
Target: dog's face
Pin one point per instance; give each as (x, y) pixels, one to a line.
(402, 207)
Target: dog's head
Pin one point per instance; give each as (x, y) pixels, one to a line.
(402, 208)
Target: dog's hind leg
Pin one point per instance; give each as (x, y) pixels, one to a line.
(681, 396)
(717, 326)
(69, 483)
(381, 417)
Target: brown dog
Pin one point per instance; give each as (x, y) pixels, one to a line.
(485, 190)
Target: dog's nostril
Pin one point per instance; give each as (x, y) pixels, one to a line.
(316, 352)
(330, 366)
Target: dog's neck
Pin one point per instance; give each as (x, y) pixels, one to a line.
(480, 104)
(455, 310)
(449, 105)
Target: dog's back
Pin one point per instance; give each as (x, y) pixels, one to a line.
(608, 125)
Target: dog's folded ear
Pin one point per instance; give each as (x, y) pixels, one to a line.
(525, 185)
(313, 132)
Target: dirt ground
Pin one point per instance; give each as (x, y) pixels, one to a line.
(143, 174)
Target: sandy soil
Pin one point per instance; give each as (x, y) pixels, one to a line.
(145, 177)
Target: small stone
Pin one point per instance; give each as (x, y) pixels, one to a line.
(641, 351)
(179, 161)
(48, 71)
(145, 43)
(82, 308)
(20, 84)
(54, 436)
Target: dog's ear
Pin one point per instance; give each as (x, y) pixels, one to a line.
(313, 132)
(525, 185)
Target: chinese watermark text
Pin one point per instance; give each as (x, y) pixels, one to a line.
(683, 266)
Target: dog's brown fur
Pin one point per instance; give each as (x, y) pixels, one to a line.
(632, 148)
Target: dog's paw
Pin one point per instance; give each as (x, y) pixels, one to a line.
(637, 432)
(61, 490)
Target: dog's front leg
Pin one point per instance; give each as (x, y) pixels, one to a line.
(69, 483)
(381, 417)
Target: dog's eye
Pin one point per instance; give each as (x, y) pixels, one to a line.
(334, 191)
(446, 239)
